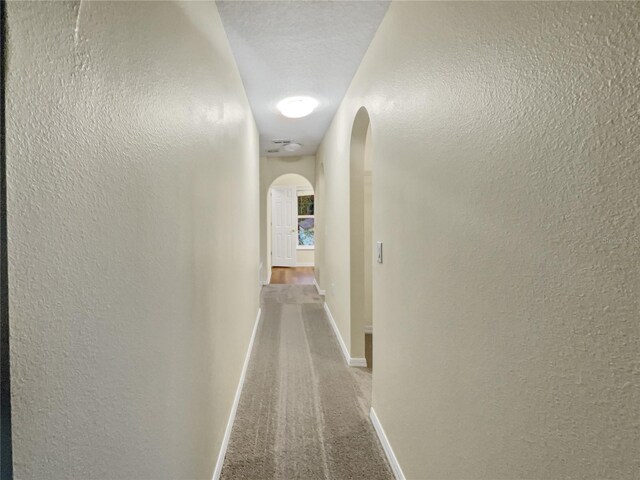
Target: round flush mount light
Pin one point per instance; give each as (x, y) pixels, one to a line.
(292, 147)
(297, 107)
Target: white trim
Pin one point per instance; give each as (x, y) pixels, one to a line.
(236, 400)
(368, 329)
(320, 292)
(393, 461)
(352, 362)
(268, 281)
(358, 362)
(306, 247)
(305, 264)
(343, 347)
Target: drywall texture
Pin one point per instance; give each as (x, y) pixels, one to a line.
(506, 172)
(133, 177)
(272, 168)
(319, 201)
(298, 48)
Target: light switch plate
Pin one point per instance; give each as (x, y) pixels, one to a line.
(379, 251)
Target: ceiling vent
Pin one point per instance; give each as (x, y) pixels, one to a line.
(273, 150)
(281, 142)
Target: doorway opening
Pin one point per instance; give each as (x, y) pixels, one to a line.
(361, 242)
(291, 230)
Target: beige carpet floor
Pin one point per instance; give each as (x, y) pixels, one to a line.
(303, 413)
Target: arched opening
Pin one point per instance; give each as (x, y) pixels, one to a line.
(291, 230)
(361, 243)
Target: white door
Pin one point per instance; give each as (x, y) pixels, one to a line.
(284, 228)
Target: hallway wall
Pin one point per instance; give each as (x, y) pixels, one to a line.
(133, 277)
(270, 169)
(505, 188)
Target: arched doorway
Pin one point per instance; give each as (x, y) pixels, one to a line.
(291, 230)
(361, 243)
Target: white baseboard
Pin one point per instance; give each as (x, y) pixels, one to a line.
(268, 281)
(305, 264)
(358, 362)
(236, 400)
(320, 292)
(368, 329)
(352, 362)
(393, 461)
(343, 347)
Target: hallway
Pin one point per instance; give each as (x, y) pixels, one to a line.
(462, 178)
(303, 413)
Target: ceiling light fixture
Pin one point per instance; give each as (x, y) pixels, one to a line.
(297, 107)
(292, 147)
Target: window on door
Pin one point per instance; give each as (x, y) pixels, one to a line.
(306, 220)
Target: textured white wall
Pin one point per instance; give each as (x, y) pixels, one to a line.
(506, 140)
(270, 169)
(133, 179)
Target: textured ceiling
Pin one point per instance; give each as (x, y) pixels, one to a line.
(286, 48)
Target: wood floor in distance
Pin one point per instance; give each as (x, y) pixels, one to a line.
(292, 275)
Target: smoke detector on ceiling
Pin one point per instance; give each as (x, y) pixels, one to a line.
(292, 147)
